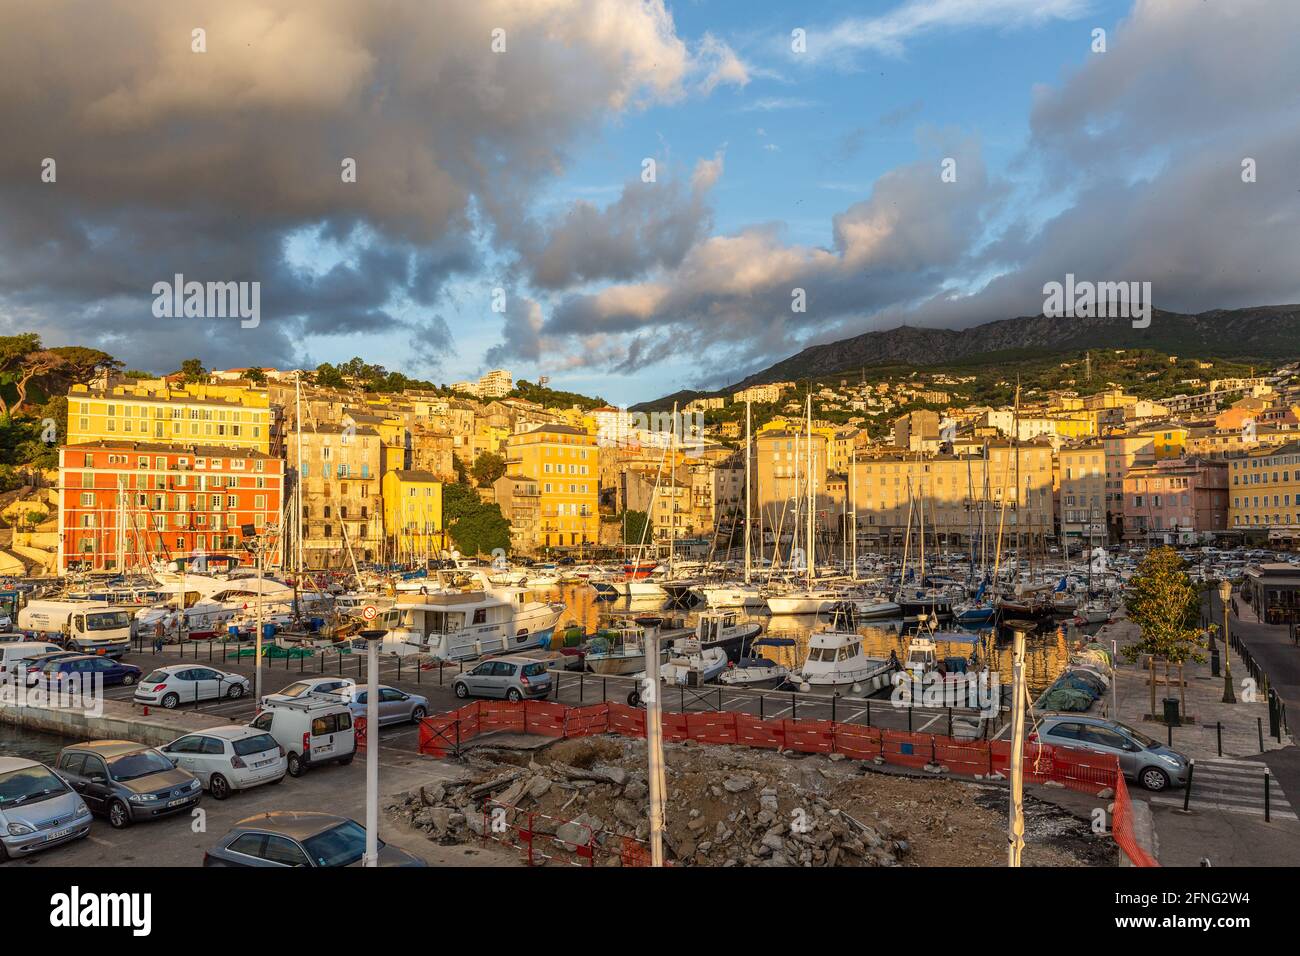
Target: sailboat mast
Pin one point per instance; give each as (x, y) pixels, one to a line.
(748, 450)
(812, 498)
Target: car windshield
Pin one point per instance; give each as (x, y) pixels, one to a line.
(133, 766)
(1137, 735)
(255, 745)
(29, 785)
(108, 621)
(338, 846)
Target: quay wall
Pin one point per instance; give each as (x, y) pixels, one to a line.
(117, 721)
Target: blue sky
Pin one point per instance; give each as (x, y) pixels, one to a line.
(779, 174)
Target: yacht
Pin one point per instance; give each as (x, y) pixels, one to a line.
(461, 614)
(804, 601)
(720, 629)
(731, 595)
(836, 660)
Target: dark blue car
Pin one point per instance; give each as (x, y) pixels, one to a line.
(88, 666)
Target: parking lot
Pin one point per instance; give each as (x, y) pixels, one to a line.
(569, 687)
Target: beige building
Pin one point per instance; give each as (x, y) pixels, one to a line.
(962, 494)
(1082, 473)
(342, 501)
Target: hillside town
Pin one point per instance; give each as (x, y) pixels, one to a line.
(178, 464)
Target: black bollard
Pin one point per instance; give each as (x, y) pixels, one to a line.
(1187, 794)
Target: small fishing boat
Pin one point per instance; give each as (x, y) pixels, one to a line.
(692, 665)
(836, 660)
(721, 629)
(619, 651)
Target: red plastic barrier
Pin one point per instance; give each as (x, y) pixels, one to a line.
(1083, 770)
(906, 750)
(625, 720)
(753, 732)
(1122, 827)
(857, 742)
(675, 728)
(501, 715)
(585, 721)
(810, 736)
(969, 757)
(544, 718)
(712, 727)
(363, 738)
(438, 734)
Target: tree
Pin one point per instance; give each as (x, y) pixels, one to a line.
(475, 527)
(82, 364)
(327, 376)
(488, 467)
(193, 370)
(22, 359)
(256, 376)
(1165, 603)
(634, 526)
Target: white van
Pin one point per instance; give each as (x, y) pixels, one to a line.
(313, 729)
(92, 627)
(13, 652)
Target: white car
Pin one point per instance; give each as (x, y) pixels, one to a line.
(226, 759)
(310, 685)
(186, 683)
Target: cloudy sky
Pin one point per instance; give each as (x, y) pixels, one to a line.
(501, 215)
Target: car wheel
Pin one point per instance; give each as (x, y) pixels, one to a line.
(296, 767)
(119, 815)
(513, 695)
(128, 680)
(1153, 778)
(418, 714)
(219, 787)
(170, 701)
(236, 691)
(462, 691)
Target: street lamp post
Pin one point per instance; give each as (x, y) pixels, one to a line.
(372, 638)
(1225, 594)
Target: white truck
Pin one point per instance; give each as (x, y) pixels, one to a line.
(85, 626)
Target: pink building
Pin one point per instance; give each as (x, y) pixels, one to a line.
(1176, 500)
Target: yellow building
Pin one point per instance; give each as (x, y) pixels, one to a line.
(563, 461)
(162, 412)
(412, 513)
(1168, 441)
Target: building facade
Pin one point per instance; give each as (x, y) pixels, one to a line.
(563, 461)
(123, 504)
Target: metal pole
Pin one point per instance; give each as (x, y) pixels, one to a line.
(654, 737)
(1016, 822)
(1229, 697)
(257, 686)
(372, 750)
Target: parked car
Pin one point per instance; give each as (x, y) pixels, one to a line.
(395, 706)
(35, 666)
(15, 654)
(89, 666)
(513, 678)
(227, 759)
(1141, 758)
(310, 685)
(186, 683)
(38, 809)
(127, 782)
(300, 838)
(312, 728)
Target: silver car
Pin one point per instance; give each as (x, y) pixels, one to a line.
(1141, 758)
(395, 706)
(514, 678)
(38, 809)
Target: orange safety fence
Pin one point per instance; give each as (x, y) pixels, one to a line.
(1122, 827)
(541, 838)
(359, 730)
(1077, 770)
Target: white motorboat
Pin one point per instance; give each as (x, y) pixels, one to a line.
(731, 595)
(836, 660)
(692, 665)
(876, 608)
(722, 630)
(461, 615)
(755, 672)
(804, 601)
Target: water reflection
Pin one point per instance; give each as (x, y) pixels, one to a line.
(1047, 651)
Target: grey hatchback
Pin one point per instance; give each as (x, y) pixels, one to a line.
(127, 781)
(300, 838)
(513, 678)
(1141, 758)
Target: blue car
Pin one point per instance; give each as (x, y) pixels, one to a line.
(87, 666)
